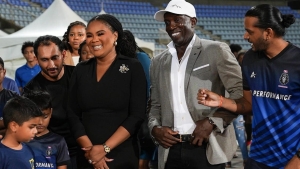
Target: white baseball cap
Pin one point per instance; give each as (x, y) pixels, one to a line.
(180, 7)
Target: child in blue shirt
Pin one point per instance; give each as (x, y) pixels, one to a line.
(21, 117)
(50, 149)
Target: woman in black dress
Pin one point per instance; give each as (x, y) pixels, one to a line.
(107, 99)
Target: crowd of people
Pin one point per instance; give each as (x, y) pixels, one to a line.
(96, 100)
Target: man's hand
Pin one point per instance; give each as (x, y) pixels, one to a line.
(202, 131)
(208, 98)
(164, 136)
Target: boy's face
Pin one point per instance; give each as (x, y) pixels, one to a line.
(42, 127)
(29, 54)
(2, 73)
(27, 131)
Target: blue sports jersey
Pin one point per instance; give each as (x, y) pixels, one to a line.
(50, 151)
(275, 89)
(14, 159)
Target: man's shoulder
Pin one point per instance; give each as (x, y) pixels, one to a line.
(208, 43)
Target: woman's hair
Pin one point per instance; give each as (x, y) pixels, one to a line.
(114, 25)
(130, 47)
(80, 48)
(270, 17)
(66, 35)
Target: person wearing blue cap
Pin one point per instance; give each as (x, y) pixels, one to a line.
(190, 135)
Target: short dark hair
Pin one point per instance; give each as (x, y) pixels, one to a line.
(66, 35)
(41, 98)
(45, 40)
(114, 25)
(1, 62)
(270, 17)
(25, 45)
(235, 48)
(20, 109)
(80, 49)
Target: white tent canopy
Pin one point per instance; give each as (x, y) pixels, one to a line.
(2, 33)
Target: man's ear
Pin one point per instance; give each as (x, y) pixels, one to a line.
(63, 53)
(194, 22)
(4, 72)
(269, 33)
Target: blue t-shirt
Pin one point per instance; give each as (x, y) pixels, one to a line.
(10, 84)
(25, 73)
(275, 88)
(15, 159)
(145, 61)
(50, 151)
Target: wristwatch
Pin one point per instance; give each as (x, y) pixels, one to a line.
(298, 154)
(106, 148)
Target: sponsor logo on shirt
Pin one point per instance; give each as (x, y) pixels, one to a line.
(267, 94)
(46, 165)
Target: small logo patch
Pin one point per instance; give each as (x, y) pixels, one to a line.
(252, 75)
(284, 78)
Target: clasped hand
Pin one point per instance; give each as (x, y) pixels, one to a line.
(97, 156)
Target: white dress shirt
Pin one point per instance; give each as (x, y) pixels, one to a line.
(183, 122)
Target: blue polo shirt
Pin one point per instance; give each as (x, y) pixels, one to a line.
(25, 73)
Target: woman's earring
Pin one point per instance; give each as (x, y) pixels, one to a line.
(116, 43)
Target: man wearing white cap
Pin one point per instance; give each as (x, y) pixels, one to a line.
(175, 118)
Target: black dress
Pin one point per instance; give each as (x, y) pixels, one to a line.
(97, 109)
